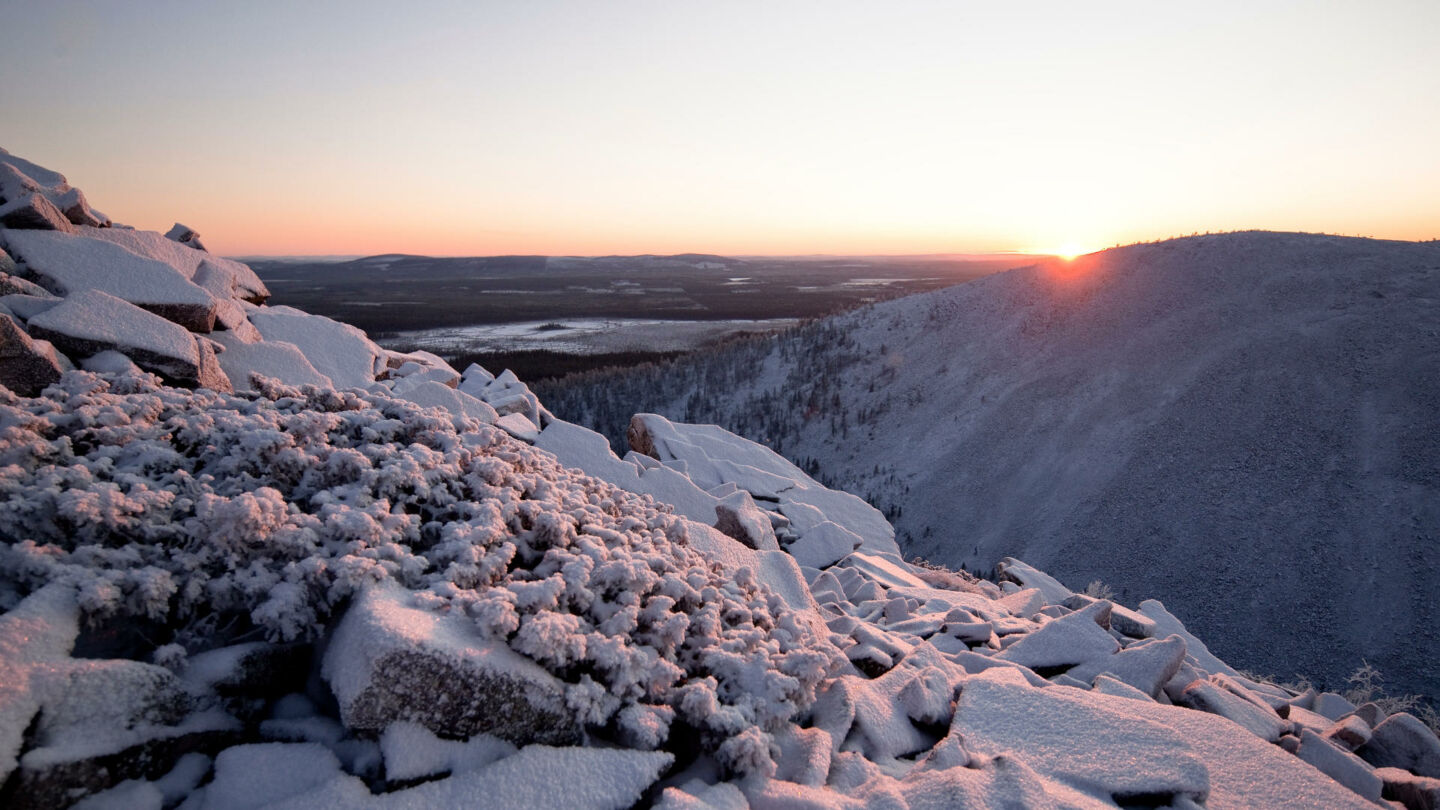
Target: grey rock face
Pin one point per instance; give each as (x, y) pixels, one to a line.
(208, 373)
(388, 661)
(34, 213)
(1402, 741)
(25, 366)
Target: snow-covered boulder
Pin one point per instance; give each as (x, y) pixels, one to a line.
(339, 351)
(389, 661)
(1414, 792)
(93, 260)
(35, 641)
(713, 456)
(34, 212)
(274, 359)
(90, 322)
(26, 365)
(1212, 696)
(1342, 766)
(26, 307)
(224, 278)
(1122, 755)
(1066, 642)
(1146, 666)
(737, 515)
(585, 449)
(432, 394)
(1402, 741)
(824, 544)
(185, 235)
(19, 179)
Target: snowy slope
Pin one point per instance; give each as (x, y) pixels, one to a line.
(1250, 414)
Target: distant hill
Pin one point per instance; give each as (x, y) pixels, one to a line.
(1246, 424)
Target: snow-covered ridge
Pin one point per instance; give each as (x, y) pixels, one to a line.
(1243, 423)
(422, 589)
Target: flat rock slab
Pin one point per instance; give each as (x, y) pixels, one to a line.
(90, 322)
(1077, 737)
(388, 661)
(1342, 766)
(339, 351)
(68, 263)
(1066, 642)
(274, 359)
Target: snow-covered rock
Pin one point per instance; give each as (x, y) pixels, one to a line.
(94, 260)
(339, 351)
(1123, 755)
(1414, 792)
(390, 661)
(90, 322)
(737, 515)
(35, 640)
(34, 212)
(19, 179)
(275, 359)
(185, 235)
(26, 365)
(1063, 643)
(1343, 766)
(412, 751)
(432, 394)
(11, 284)
(1402, 741)
(714, 456)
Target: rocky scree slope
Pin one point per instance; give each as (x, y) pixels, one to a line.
(1249, 414)
(421, 589)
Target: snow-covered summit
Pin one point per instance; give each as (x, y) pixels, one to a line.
(325, 575)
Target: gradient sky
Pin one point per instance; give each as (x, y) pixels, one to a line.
(730, 127)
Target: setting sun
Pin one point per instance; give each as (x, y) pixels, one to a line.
(1067, 251)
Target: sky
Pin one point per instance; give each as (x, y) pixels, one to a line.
(779, 127)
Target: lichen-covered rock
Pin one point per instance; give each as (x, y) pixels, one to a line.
(389, 661)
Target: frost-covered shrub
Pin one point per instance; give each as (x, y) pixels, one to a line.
(203, 511)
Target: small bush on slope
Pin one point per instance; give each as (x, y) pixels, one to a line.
(1366, 687)
(202, 510)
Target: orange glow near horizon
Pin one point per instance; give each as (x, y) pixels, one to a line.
(746, 128)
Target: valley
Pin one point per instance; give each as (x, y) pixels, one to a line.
(545, 317)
